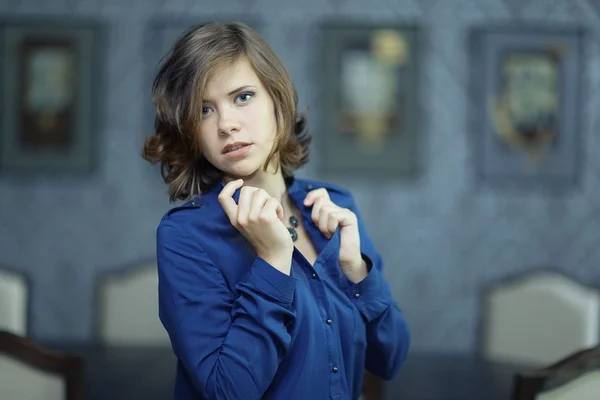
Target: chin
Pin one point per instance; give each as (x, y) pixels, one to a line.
(242, 171)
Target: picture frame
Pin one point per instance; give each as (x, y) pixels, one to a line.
(50, 74)
(369, 100)
(526, 95)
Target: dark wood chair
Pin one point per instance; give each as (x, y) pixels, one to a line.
(530, 385)
(373, 387)
(41, 358)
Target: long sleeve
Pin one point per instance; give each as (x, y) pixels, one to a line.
(229, 342)
(388, 335)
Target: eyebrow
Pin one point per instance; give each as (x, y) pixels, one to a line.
(234, 91)
(239, 89)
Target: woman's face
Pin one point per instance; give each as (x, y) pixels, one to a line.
(238, 125)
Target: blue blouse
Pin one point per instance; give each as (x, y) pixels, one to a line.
(241, 329)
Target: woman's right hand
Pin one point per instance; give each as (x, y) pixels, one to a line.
(258, 217)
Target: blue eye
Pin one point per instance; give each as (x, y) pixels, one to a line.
(245, 97)
(206, 110)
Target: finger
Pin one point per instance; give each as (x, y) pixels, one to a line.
(258, 201)
(316, 209)
(244, 204)
(313, 195)
(279, 211)
(226, 199)
(346, 217)
(332, 222)
(324, 216)
(271, 207)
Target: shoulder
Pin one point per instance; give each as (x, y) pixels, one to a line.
(198, 236)
(181, 211)
(197, 218)
(199, 207)
(178, 217)
(173, 227)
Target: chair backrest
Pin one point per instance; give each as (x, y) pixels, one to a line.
(576, 377)
(540, 318)
(129, 308)
(13, 302)
(373, 387)
(29, 371)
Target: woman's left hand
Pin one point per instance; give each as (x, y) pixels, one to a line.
(328, 217)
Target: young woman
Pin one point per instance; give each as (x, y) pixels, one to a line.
(269, 286)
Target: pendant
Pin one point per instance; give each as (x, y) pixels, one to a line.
(294, 222)
(293, 234)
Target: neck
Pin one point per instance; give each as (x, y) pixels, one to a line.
(271, 182)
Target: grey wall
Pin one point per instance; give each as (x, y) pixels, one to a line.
(443, 237)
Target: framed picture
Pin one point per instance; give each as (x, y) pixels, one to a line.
(526, 95)
(161, 35)
(369, 100)
(50, 80)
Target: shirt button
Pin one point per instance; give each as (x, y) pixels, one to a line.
(329, 321)
(334, 369)
(310, 187)
(357, 295)
(314, 276)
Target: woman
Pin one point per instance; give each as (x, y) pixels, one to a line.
(269, 285)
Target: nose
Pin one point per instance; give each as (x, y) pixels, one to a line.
(228, 121)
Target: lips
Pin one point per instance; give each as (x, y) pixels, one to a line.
(234, 146)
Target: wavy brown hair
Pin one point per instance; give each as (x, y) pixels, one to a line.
(178, 93)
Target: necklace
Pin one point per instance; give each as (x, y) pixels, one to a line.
(293, 233)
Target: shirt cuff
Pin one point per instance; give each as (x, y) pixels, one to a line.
(271, 281)
(371, 295)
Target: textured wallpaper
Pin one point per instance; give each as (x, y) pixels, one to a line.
(444, 236)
